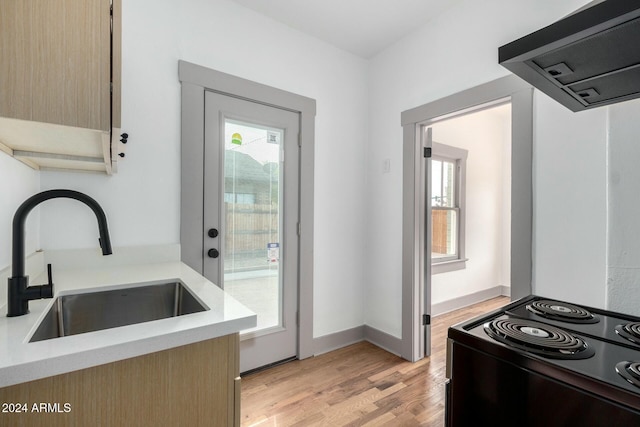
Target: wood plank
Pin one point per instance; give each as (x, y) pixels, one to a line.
(56, 62)
(116, 66)
(356, 385)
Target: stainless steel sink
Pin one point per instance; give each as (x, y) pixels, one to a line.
(94, 311)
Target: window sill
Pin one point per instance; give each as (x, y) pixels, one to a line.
(447, 266)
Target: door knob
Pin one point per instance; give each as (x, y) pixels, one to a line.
(213, 253)
(213, 232)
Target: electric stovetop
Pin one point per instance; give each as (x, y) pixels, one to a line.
(593, 322)
(574, 344)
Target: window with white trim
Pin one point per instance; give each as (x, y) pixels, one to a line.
(448, 172)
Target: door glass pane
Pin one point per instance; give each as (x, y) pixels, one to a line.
(252, 231)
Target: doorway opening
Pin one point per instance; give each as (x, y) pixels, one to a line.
(418, 154)
(470, 205)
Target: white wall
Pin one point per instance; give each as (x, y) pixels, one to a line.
(358, 207)
(623, 273)
(142, 200)
(483, 135)
(18, 182)
(570, 212)
(454, 52)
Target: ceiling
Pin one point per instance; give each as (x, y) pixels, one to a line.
(362, 27)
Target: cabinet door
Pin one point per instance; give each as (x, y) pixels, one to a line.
(56, 65)
(193, 385)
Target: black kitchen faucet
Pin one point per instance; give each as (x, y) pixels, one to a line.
(19, 292)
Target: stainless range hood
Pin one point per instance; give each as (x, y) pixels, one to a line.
(588, 59)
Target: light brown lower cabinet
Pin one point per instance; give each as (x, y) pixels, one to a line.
(193, 385)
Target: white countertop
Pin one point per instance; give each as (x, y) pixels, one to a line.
(22, 361)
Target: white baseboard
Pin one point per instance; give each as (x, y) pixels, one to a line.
(330, 342)
(383, 340)
(467, 300)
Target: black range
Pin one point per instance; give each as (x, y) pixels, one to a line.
(539, 361)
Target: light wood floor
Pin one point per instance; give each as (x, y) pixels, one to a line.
(359, 385)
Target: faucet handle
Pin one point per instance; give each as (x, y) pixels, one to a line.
(46, 291)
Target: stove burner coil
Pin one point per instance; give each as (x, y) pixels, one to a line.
(629, 331)
(630, 371)
(561, 311)
(538, 338)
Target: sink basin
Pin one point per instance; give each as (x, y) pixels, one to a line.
(94, 311)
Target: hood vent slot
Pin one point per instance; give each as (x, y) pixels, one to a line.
(588, 59)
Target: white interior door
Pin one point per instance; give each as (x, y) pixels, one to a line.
(426, 178)
(251, 211)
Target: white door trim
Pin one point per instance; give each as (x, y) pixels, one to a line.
(413, 226)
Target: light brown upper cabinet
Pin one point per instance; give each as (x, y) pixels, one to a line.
(60, 83)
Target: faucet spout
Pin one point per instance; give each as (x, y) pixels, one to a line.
(19, 292)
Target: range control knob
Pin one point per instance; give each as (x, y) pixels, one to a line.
(213, 253)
